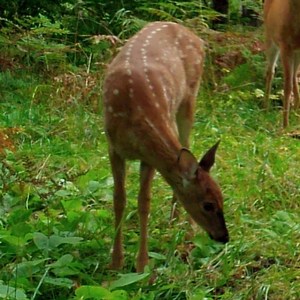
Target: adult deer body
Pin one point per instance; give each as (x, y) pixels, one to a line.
(282, 28)
(149, 97)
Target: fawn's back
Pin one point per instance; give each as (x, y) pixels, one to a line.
(155, 72)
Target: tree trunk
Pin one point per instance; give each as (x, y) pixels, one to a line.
(220, 6)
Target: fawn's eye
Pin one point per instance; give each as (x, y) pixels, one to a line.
(208, 206)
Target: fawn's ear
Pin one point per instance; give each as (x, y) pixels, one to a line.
(187, 164)
(208, 159)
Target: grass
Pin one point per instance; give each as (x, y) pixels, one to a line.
(56, 220)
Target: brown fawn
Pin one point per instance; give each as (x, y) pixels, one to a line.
(282, 29)
(149, 97)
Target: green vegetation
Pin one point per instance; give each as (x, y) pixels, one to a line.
(56, 220)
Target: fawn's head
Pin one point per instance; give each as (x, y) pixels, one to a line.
(201, 195)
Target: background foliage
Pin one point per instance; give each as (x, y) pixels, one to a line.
(55, 181)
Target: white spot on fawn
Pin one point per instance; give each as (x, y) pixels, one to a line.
(120, 114)
(116, 92)
(131, 93)
(198, 62)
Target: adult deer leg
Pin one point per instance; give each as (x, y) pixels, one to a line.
(272, 54)
(146, 176)
(295, 82)
(288, 69)
(119, 173)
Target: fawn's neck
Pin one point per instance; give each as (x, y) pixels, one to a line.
(162, 151)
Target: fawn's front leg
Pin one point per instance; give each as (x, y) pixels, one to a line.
(119, 173)
(146, 176)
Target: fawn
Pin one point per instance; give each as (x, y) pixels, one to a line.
(149, 97)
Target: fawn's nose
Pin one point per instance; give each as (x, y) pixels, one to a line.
(222, 239)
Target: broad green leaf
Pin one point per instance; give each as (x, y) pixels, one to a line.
(74, 216)
(45, 243)
(93, 292)
(103, 214)
(56, 240)
(28, 268)
(63, 261)
(63, 282)
(93, 186)
(72, 205)
(21, 229)
(8, 292)
(65, 271)
(41, 241)
(119, 295)
(157, 256)
(15, 241)
(202, 294)
(127, 279)
(63, 193)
